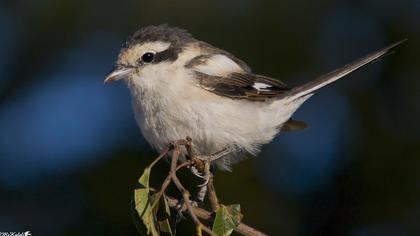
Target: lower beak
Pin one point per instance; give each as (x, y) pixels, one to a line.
(118, 74)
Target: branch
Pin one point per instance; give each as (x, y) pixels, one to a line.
(207, 216)
(184, 191)
(212, 196)
(196, 213)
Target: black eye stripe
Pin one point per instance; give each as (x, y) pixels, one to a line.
(170, 54)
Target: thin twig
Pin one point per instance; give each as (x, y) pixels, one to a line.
(184, 191)
(167, 180)
(166, 183)
(162, 154)
(212, 196)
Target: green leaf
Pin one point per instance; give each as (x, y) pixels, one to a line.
(163, 215)
(227, 219)
(143, 201)
(165, 227)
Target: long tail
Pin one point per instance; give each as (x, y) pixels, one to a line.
(323, 80)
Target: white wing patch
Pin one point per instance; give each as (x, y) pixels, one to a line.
(218, 65)
(261, 86)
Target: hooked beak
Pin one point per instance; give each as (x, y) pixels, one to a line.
(117, 74)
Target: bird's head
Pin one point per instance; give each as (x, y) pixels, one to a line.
(147, 49)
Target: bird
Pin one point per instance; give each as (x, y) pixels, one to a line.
(181, 86)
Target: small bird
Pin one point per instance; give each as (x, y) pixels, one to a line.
(181, 86)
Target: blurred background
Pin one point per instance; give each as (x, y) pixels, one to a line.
(71, 153)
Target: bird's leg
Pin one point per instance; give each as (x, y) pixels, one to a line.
(203, 187)
(208, 158)
(217, 155)
(201, 165)
(212, 196)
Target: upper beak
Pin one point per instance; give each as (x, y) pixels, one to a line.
(117, 74)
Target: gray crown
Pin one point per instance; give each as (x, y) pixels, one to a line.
(165, 33)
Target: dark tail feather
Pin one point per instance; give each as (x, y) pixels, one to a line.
(294, 125)
(323, 80)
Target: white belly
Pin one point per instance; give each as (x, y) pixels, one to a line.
(212, 122)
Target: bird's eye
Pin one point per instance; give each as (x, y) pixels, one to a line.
(148, 57)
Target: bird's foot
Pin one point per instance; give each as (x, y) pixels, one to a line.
(200, 166)
(220, 154)
(205, 174)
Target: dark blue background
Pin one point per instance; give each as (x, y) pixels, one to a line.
(70, 151)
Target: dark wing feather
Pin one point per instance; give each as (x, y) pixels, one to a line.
(242, 85)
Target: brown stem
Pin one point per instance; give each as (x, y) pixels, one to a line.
(184, 191)
(161, 155)
(207, 216)
(167, 180)
(166, 183)
(195, 213)
(248, 230)
(212, 196)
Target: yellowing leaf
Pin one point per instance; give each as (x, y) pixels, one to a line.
(227, 219)
(143, 202)
(165, 227)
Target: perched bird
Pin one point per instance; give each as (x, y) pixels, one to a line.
(182, 86)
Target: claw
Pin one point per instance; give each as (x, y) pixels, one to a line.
(207, 159)
(204, 184)
(180, 207)
(206, 178)
(196, 172)
(194, 203)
